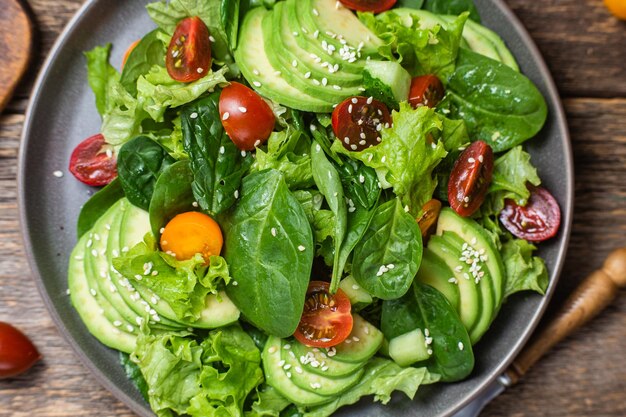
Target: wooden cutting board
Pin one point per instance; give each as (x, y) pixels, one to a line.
(16, 39)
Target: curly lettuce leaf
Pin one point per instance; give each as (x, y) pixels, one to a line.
(381, 378)
(523, 271)
(208, 378)
(101, 76)
(407, 155)
(419, 50)
(269, 403)
(183, 285)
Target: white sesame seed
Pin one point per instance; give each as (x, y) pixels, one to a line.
(256, 72)
(242, 109)
(471, 160)
(272, 349)
(481, 159)
(193, 115)
(461, 347)
(315, 12)
(298, 369)
(243, 153)
(281, 363)
(200, 70)
(257, 143)
(236, 193)
(301, 248)
(226, 116)
(294, 63)
(256, 84)
(370, 99)
(273, 231)
(117, 323)
(211, 38)
(307, 75)
(430, 351)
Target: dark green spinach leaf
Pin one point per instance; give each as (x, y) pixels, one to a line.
(133, 372)
(149, 51)
(269, 248)
(499, 105)
(172, 195)
(140, 162)
(217, 164)
(360, 182)
(97, 205)
(329, 183)
(229, 14)
(388, 256)
(411, 4)
(425, 308)
(454, 7)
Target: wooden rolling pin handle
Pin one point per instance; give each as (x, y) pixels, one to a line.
(590, 298)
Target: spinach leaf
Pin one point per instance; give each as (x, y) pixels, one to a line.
(360, 182)
(172, 195)
(229, 14)
(425, 308)
(358, 221)
(149, 51)
(454, 7)
(97, 205)
(389, 254)
(140, 162)
(269, 248)
(329, 183)
(216, 162)
(310, 200)
(499, 105)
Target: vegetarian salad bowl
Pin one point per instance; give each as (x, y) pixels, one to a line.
(295, 207)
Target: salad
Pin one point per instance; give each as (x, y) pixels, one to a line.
(306, 202)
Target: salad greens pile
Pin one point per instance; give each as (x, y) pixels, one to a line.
(213, 336)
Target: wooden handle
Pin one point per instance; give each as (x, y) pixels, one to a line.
(590, 298)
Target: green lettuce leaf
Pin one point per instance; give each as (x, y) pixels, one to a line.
(157, 91)
(420, 51)
(407, 155)
(199, 379)
(288, 151)
(268, 404)
(183, 285)
(101, 76)
(381, 378)
(523, 271)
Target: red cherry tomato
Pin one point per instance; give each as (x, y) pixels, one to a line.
(470, 178)
(374, 6)
(358, 121)
(539, 220)
(326, 320)
(426, 90)
(246, 117)
(189, 53)
(93, 163)
(17, 353)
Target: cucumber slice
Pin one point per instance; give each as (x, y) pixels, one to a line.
(409, 348)
(387, 81)
(359, 298)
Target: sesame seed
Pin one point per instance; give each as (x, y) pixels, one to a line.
(383, 159)
(315, 12)
(355, 287)
(211, 38)
(361, 178)
(225, 116)
(93, 292)
(461, 347)
(243, 153)
(307, 75)
(298, 369)
(430, 351)
(287, 346)
(242, 109)
(294, 63)
(256, 84)
(130, 328)
(236, 193)
(256, 72)
(481, 159)
(272, 349)
(370, 99)
(471, 160)
(257, 143)
(281, 363)
(193, 115)
(200, 70)
(301, 248)
(273, 231)
(117, 323)
(337, 87)
(288, 374)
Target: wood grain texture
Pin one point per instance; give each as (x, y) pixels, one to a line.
(583, 376)
(16, 37)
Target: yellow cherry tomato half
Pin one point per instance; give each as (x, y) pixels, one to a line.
(190, 233)
(617, 7)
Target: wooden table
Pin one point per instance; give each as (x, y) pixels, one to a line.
(584, 376)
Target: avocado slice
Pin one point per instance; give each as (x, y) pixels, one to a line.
(436, 273)
(251, 56)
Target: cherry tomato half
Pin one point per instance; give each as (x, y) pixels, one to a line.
(374, 6)
(326, 320)
(189, 53)
(539, 220)
(428, 219)
(129, 51)
(93, 163)
(17, 352)
(246, 117)
(190, 233)
(470, 178)
(426, 90)
(358, 122)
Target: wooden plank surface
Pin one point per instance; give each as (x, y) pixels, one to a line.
(584, 376)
